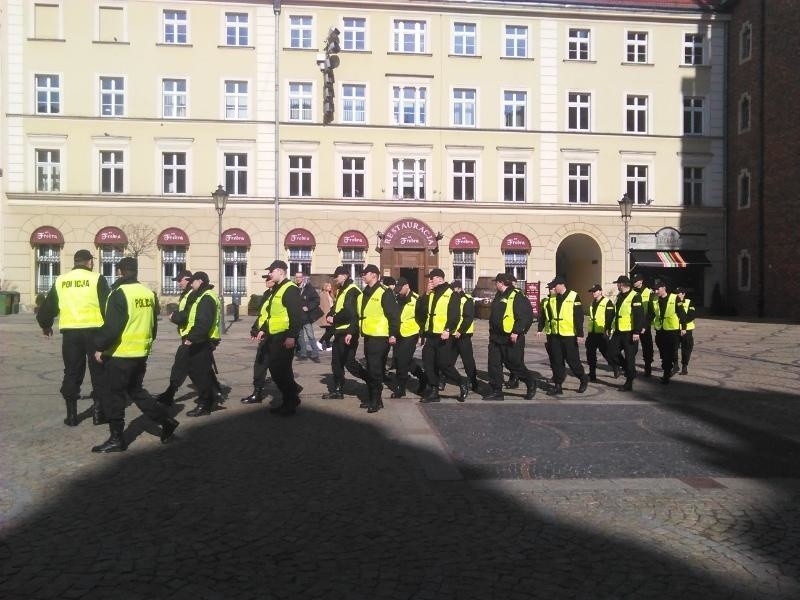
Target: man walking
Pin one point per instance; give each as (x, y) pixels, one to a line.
(309, 302)
(667, 323)
(629, 320)
(408, 339)
(202, 335)
(645, 335)
(463, 334)
(180, 365)
(566, 332)
(687, 329)
(79, 299)
(601, 316)
(260, 364)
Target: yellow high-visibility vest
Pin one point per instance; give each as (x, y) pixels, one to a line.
(274, 313)
(471, 328)
(625, 313)
(373, 319)
(214, 333)
(565, 322)
(439, 312)
(137, 337)
(339, 304)
(408, 320)
(78, 304)
(597, 316)
(686, 303)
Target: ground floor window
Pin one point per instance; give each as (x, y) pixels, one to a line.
(109, 257)
(300, 260)
(517, 265)
(353, 259)
(48, 267)
(234, 260)
(173, 261)
(464, 268)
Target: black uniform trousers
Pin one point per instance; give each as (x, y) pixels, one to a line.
(595, 342)
(180, 367)
(199, 357)
(438, 360)
(343, 356)
(463, 346)
(77, 347)
(121, 380)
(260, 365)
(646, 340)
(687, 345)
(279, 360)
(565, 349)
(667, 343)
(404, 358)
(503, 352)
(622, 352)
(375, 350)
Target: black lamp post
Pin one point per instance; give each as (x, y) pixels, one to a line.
(625, 210)
(220, 196)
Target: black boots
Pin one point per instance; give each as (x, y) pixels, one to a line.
(463, 390)
(115, 442)
(556, 390)
(530, 390)
(168, 427)
(648, 370)
(204, 405)
(432, 395)
(584, 384)
(98, 417)
(494, 396)
(400, 391)
(592, 374)
(255, 398)
(167, 397)
(512, 383)
(72, 413)
(335, 394)
(615, 369)
(627, 386)
(375, 403)
(474, 384)
(685, 370)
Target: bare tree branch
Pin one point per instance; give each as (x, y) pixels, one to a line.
(141, 239)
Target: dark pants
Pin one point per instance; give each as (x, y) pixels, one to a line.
(687, 345)
(77, 347)
(667, 342)
(646, 340)
(327, 335)
(180, 367)
(375, 350)
(199, 357)
(260, 365)
(463, 347)
(595, 342)
(279, 359)
(503, 352)
(622, 343)
(439, 358)
(565, 349)
(404, 358)
(122, 379)
(343, 356)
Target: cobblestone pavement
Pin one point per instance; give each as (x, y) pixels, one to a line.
(683, 491)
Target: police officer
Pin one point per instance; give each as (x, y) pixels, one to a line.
(344, 320)
(510, 318)
(667, 324)
(629, 321)
(687, 328)
(463, 333)
(601, 316)
(566, 330)
(122, 346)
(380, 326)
(201, 337)
(545, 322)
(645, 335)
(260, 364)
(407, 340)
(442, 315)
(79, 298)
(180, 369)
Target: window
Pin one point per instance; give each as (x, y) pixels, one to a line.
(112, 172)
(299, 101)
(693, 48)
(354, 103)
(354, 33)
(408, 178)
(173, 167)
(579, 106)
(464, 39)
(744, 270)
(578, 44)
(173, 261)
(463, 180)
(514, 105)
(745, 42)
(744, 113)
(300, 259)
(692, 186)
(464, 268)
(237, 29)
(353, 259)
(514, 183)
(636, 47)
(48, 267)
(109, 257)
(46, 21)
(693, 115)
(636, 183)
(112, 97)
(409, 36)
(111, 24)
(236, 100)
(299, 176)
(636, 114)
(48, 170)
(515, 41)
(174, 98)
(300, 31)
(744, 189)
(48, 94)
(516, 263)
(236, 173)
(352, 177)
(464, 107)
(579, 183)
(409, 105)
(234, 261)
(175, 27)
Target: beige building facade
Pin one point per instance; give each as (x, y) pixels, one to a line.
(476, 137)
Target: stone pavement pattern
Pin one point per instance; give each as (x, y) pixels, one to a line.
(689, 490)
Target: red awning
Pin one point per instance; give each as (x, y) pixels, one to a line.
(173, 237)
(516, 241)
(111, 236)
(47, 235)
(299, 238)
(234, 237)
(464, 241)
(352, 239)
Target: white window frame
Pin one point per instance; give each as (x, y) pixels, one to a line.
(173, 261)
(742, 202)
(46, 87)
(59, 6)
(300, 170)
(515, 39)
(236, 170)
(413, 170)
(235, 258)
(414, 31)
(176, 168)
(515, 263)
(580, 103)
(461, 35)
(112, 167)
(35, 142)
(577, 44)
(741, 125)
(408, 152)
(589, 157)
(464, 176)
(170, 18)
(745, 49)
(460, 102)
(514, 178)
(515, 155)
(171, 145)
(236, 99)
(232, 24)
(47, 258)
(635, 46)
(636, 175)
(353, 104)
(692, 112)
(354, 35)
(511, 106)
(744, 286)
(691, 48)
(175, 96)
(464, 262)
(300, 102)
(48, 171)
(114, 94)
(352, 173)
(582, 180)
(352, 150)
(111, 5)
(634, 107)
(300, 259)
(300, 32)
(693, 180)
(108, 258)
(418, 103)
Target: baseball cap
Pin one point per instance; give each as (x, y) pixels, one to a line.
(371, 269)
(201, 275)
(638, 277)
(680, 290)
(596, 288)
(183, 274)
(503, 278)
(436, 273)
(660, 283)
(401, 281)
(622, 279)
(277, 264)
(389, 280)
(83, 255)
(341, 270)
(128, 265)
(456, 283)
(558, 279)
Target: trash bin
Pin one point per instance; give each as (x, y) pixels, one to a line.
(236, 301)
(9, 303)
(14, 303)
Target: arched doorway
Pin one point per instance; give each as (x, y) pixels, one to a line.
(409, 248)
(580, 260)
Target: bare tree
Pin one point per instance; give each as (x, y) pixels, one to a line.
(141, 239)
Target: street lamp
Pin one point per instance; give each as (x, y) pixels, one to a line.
(220, 196)
(625, 210)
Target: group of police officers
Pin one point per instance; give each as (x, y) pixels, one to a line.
(113, 329)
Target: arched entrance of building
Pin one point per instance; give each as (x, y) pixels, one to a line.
(409, 248)
(580, 260)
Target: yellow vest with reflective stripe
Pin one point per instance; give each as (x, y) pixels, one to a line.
(339, 304)
(439, 312)
(182, 331)
(597, 316)
(508, 315)
(548, 314)
(137, 337)
(214, 333)
(471, 328)
(686, 302)
(78, 304)
(646, 294)
(669, 320)
(564, 323)
(625, 314)
(408, 320)
(276, 317)
(373, 319)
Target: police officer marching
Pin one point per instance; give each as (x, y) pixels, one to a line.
(566, 330)
(645, 335)
(629, 320)
(201, 337)
(463, 333)
(79, 299)
(601, 316)
(667, 323)
(260, 363)
(407, 340)
(687, 330)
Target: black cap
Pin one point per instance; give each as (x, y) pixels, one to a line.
(182, 274)
(556, 280)
(388, 280)
(436, 273)
(660, 283)
(623, 279)
(277, 264)
(401, 281)
(638, 277)
(201, 275)
(680, 290)
(83, 256)
(128, 265)
(596, 288)
(456, 283)
(341, 270)
(371, 269)
(503, 278)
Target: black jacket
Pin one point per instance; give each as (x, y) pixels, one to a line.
(637, 312)
(116, 317)
(348, 315)
(577, 312)
(390, 307)
(49, 309)
(523, 314)
(309, 298)
(291, 300)
(180, 317)
(204, 317)
(468, 314)
(264, 297)
(453, 309)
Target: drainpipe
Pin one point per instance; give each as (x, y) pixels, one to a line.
(276, 10)
(762, 262)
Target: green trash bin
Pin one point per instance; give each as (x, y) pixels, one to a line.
(14, 303)
(6, 303)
